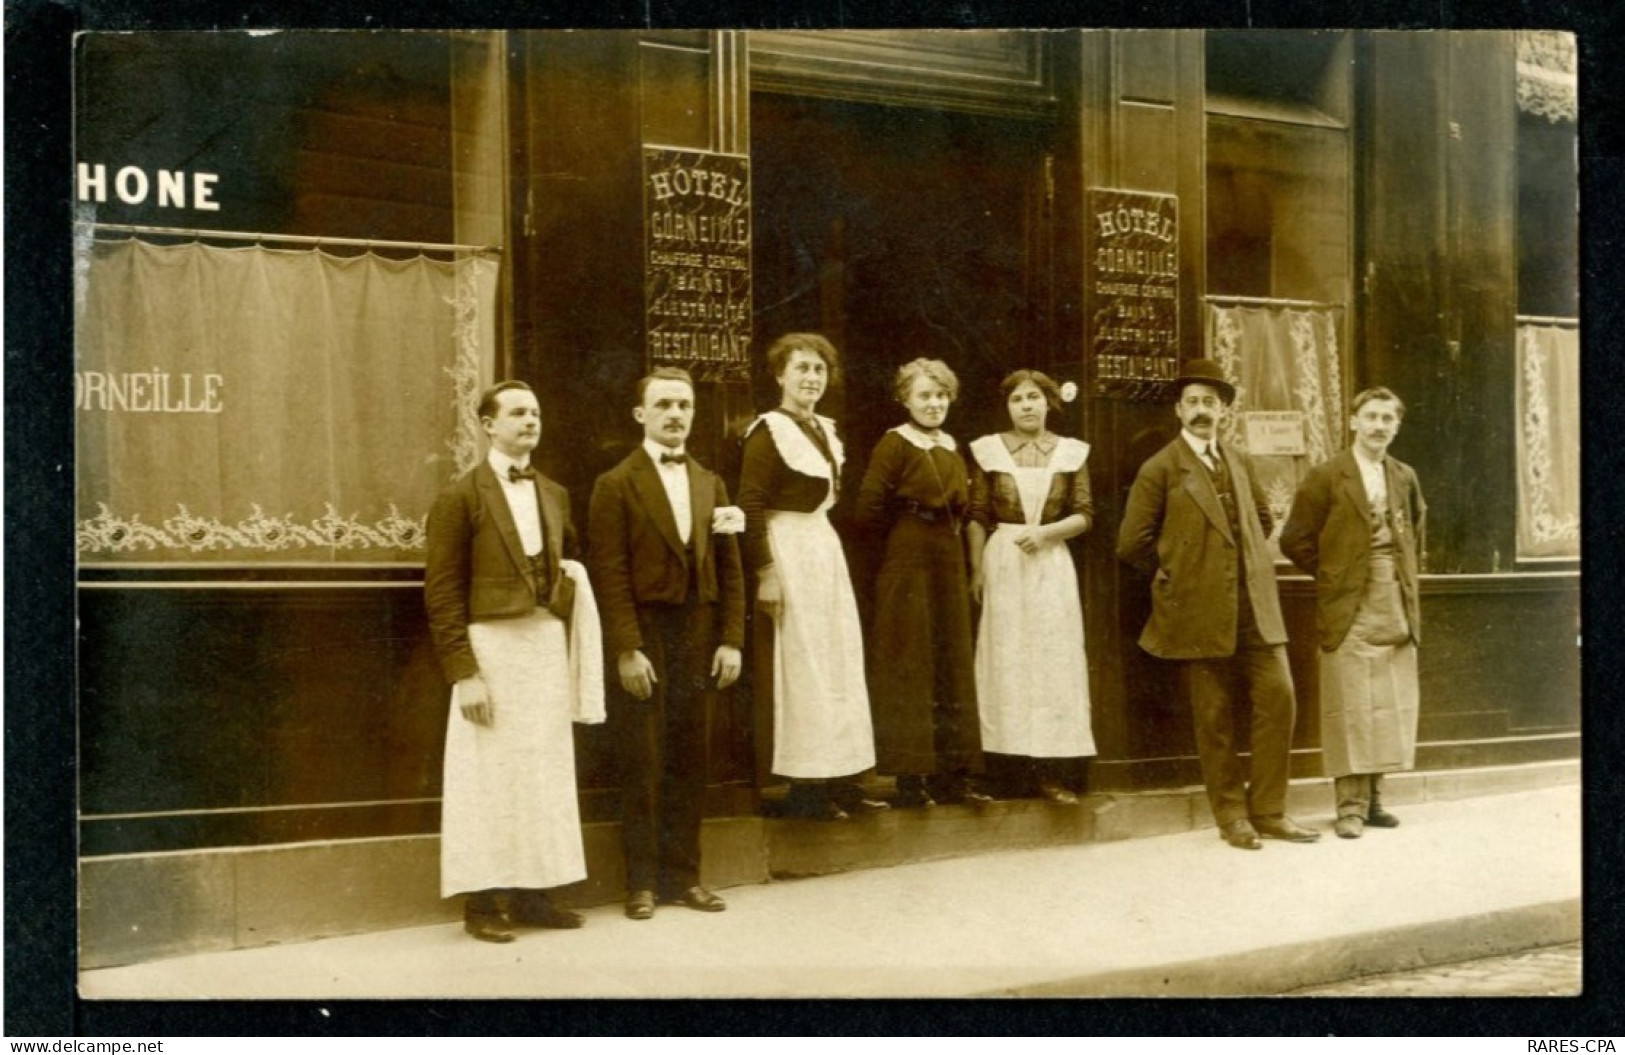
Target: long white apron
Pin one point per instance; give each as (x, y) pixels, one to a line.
(821, 724)
(1032, 679)
(509, 816)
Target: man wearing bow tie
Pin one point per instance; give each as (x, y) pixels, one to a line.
(1197, 524)
(665, 563)
(498, 599)
(1357, 526)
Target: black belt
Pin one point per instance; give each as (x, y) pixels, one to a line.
(929, 514)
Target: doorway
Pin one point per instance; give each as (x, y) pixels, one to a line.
(902, 232)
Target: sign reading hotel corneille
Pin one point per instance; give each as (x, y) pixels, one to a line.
(697, 279)
(1131, 288)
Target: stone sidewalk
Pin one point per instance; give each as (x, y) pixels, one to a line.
(1171, 915)
(1553, 971)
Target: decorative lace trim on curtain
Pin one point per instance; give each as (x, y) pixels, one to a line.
(1547, 81)
(1291, 343)
(1549, 516)
(107, 532)
(299, 328)
(466, 370)
(1312, 337)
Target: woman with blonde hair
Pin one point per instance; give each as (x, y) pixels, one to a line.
(915, 497)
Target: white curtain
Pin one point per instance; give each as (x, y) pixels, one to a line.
(1282, 359)
(1548, 81)
(252, 404)
(1548, 441)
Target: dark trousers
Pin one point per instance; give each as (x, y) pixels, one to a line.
(662, 745)
(1356, 792)
(1261, 669)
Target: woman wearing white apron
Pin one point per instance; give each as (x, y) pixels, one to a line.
(1029, 494)
(822, 734)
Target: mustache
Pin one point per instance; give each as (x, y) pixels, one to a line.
(1202, 419)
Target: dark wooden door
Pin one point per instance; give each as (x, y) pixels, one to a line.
(902, 232)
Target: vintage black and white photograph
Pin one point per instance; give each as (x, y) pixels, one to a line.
(827, 513)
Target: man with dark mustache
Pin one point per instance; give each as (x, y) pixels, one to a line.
(665, 561)
(1357, 526)
(1197, 524)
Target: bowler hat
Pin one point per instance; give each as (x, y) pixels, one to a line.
(1203, 372)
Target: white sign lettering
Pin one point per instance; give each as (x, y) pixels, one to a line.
(156, 392)
(132, 186)
(1275, 432)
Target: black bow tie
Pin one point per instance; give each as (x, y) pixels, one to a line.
(674, 459)
(515, 474)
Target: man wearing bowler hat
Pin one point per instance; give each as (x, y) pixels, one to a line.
(1197, 524)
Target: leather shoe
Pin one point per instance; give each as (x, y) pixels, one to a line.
(915, 797)
(814, 803)
(1349, 826)
(640, 904)
(963, 793)
(852, 797)
(1056, 793)
(541, 912)
(821, 810)
(482, 927)
(1377, 817)
(1240, 834)
(976, 797)
(700, 899)
(1284, 827)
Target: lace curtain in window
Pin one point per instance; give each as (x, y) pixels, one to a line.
(254, 405)
(1548, 441)
(1281, 359)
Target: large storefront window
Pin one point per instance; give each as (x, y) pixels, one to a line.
(286, 405)
(286, 260)
(1278, 245)
(1548, 398)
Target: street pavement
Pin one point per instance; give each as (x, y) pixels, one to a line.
(1551, 971)
(1170, 915)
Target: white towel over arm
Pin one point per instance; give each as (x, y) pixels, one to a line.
(586, 650)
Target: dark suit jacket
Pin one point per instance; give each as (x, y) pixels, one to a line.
(1328, 535)
(1175, 531)
(476, 565)
(637, 557)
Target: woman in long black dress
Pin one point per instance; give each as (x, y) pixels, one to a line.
(922, 687)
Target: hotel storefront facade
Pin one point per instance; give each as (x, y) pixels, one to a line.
(299, 253)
